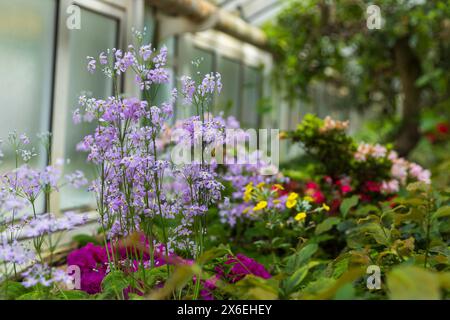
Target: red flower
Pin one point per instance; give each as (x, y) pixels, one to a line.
(442, 127)
(335, 204)
(365, 197)
(392, 203)
(373, 186)
(431, 137)
(312, 185)
(318, 197)
(281, 192)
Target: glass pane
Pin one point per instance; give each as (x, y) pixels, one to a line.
(229, 99)
(251, 97)
(26, 69)
(206, 62)
(164, 91)
(149, 23)
(97, 33)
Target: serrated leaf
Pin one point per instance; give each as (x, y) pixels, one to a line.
(213, 253)
(114, 283)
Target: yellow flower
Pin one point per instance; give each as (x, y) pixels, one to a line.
(300, 216)
(248, 192)
(308, 198)
(290, 203)
(291, 200)
(292, 196)
(249, 187)
(327, 208)
(278, 186)
(260, 185)
(260, 205)
(276, 201)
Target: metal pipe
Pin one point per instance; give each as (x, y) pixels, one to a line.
(201, 10)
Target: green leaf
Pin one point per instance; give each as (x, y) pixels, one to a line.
(178, 279)
(253, 288)
(84, 239)
(114, 283)
(428, 77)
(347, 204)
(346, 292)
(413, 283)
(134, 296)
(73, 295)
(327, 224)
(154, 275)
(33, 295)
(213, 253)
(11, 290)
(294, 281)
(442, 212)
(300, 258)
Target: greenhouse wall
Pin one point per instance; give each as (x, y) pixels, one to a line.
(56, 55)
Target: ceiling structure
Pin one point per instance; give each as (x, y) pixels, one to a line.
(255, 12)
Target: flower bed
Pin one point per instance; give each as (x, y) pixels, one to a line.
(201, 229)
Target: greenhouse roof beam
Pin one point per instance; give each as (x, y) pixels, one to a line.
(200, 11)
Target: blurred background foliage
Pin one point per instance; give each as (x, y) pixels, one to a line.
(401, 69)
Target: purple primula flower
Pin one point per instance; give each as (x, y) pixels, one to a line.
(91, 64)
(44, 275)
(24, 138)
(15, 252)
(158, 75)
(145, 52)
(187, 89)
(161, 59)
(103, 58)
(76, 116)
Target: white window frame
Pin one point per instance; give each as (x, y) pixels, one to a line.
(62, 76)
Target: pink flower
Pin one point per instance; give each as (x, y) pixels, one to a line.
(92, 261)
(312, 185)
(318, 197)
(243, 265)
(345, 189)
(419, 173)
(391, 186)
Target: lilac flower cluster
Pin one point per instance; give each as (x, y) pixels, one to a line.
(192, 92)
(47, 223)
(15, 252)
(138, 186)
(24, 231)
(45, 275)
